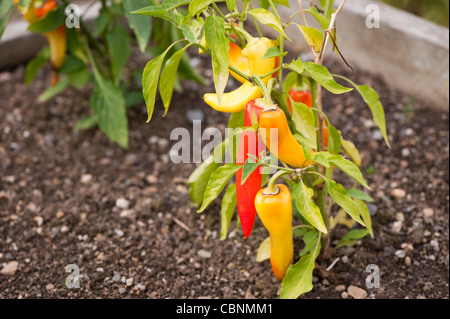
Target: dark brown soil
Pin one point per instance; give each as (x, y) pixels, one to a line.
(59, 192)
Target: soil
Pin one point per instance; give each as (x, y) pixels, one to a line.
(125, 218)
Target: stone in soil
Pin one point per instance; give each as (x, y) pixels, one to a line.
(356, 292)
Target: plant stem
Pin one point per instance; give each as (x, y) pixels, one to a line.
(266, 92)
(271, 187)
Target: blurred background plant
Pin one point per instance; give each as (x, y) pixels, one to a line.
(434, 10)
(99, 55)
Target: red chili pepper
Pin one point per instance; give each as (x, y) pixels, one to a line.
(304, 97)
(246, 193)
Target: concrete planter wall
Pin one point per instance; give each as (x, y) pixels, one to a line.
(409, 53)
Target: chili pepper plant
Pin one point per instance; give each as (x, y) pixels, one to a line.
(286, 150)
(80, 54)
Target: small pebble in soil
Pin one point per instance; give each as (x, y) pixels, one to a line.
(340, 288)
(428, 214)
(398, 193)
(10, 268)
(408, 261)
(400, 254)
(119, 232)
(122, 203)
(356, 292)
(86, 178)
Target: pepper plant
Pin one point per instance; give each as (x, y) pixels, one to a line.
(276, 114)
(80, 54)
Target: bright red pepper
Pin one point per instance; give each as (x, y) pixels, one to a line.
(246, 193)
(304, 97)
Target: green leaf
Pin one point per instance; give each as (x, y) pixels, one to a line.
(118, 41)
(263, 250)
(5, 5)
(172, 4)
(249, 167)
(352, 237)
(365, 215)
(321, 74)
(52, 20)
(86, 123)
(272, 52)
(217, 183)
(268, 18)
(229, 203)
(334, 140)
(79, 78)
(199, 179)
(236, 120)
(198, 5)
(373, 101)
(309, 237)
(150, 79)
(168, 77)
(298, 67)
(101, 23)
(283, 2)
(343, 199)
(133, 99)
(219, 46)
(54, 90)
(348, 168)
(305, 120)
(108, 104)
(357, 194)
(36, 64)
(71, 64)
(153, 11)
(142, 26)
(313, 37)
(308, 209)
(324, 22)
(231, 4)
(352, 151)
(298, 278)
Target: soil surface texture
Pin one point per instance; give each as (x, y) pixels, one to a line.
(124, 218)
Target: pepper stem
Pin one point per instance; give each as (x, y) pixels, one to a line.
(265, 91)
(271, 186)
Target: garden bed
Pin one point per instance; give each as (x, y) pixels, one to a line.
(125, 218)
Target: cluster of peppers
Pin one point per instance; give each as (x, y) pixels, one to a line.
(272, 204)
(57, 38)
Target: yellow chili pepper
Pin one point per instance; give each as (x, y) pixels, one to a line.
(234, 101)
(275, 211)
(249, 60)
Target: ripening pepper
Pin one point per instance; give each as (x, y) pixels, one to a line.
(56, 39)
(249, 143)
(275, 211)
(303, 96)
(282, 144)
(236, 100)
(249, 60)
